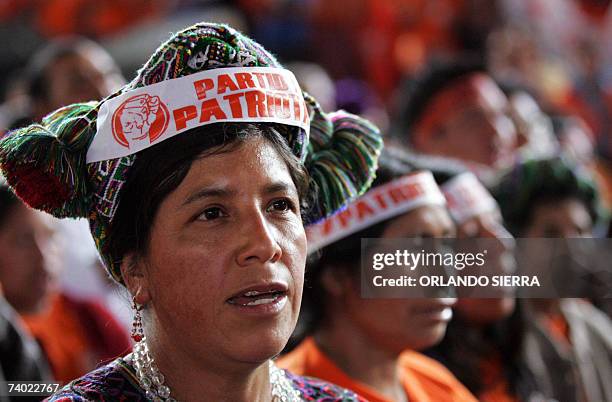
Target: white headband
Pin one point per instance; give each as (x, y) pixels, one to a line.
(466, 197)
(146, 116)
(378, 204)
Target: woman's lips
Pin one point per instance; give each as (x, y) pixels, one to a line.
(260, 299)
(441, 312)
(264, 305)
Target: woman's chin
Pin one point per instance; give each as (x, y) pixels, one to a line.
(250, 340)
(261, 342)
(428, 338)
(258, 350)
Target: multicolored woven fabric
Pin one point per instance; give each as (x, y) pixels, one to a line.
(45, 164)
(117, 382)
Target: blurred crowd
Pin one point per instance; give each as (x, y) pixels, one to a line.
(519, 92)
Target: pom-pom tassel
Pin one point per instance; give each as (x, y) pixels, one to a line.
(47, 171)
(342, 159)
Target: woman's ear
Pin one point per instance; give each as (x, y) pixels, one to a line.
(135, 277)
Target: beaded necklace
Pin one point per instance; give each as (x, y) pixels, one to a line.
(152, 380)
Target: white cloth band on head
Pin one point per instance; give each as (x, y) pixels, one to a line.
(146, 116)
(378, 204)
(466, 197)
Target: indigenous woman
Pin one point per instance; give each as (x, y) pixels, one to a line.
(568, 341)
(370, 345)
(195, 180)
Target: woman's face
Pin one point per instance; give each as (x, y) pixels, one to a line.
(223, 274)
(565, 262)
(480, 121)
(83, 76)
(563, 218)
(399, 324)
(24, 274)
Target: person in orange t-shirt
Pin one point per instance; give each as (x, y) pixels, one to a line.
(567, 341)
(368, 345)
(74, 335)
(422, 378)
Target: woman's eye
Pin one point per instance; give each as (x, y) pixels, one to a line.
(211, 213)
(281, 205)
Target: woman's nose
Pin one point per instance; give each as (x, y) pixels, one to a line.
(260, 243)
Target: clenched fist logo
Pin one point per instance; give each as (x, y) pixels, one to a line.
(139, 117)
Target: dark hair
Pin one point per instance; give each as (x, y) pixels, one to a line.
(415, 94)
(159, 170)
(7, 201)
(533, 182)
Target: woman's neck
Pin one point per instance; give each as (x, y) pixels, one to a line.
(190, 379)
(359, 357)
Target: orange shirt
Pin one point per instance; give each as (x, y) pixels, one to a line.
(76, 336)
(558, 327)
(496, 387)
(424, 379)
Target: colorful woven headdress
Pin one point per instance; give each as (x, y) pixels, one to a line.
(50, 165)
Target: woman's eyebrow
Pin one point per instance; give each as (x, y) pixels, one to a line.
(209, 192)
(220, 192)
(278, 187)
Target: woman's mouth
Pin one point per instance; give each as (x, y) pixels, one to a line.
(260, 299)
(438, 312)
(254, 298)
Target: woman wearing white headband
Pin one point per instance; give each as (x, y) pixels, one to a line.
(370, 345)
(195, 180)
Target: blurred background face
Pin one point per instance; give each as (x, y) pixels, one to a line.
(75, 78)
(478, 130)
(569, 263)
(24, 241)
(87, 73)
(560, 218)
(500, 261)
(399, 324)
